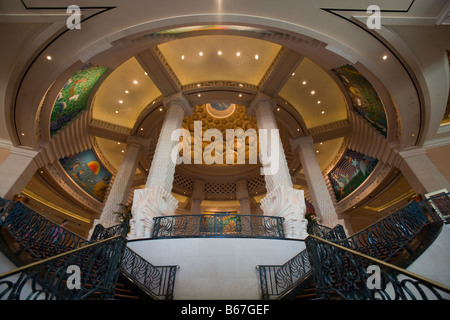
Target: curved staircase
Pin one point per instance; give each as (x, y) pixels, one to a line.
(333, 266)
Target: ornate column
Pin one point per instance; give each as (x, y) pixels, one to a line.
(320, 196)
(197, 196)
(17, 170)
(282, 199)
(421, 173)
(156, 199)
(242, 196)
(123, 181)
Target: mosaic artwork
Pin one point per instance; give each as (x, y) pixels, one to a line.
(85, 169)
(350, 172)
(364, 98)
(73, 97)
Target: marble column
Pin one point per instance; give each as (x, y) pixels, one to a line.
(281, 200)
(320, 196)
(198, 195)
(421, 173)
(17, 170)
(242, 196)
(156, 199)
(122, 182)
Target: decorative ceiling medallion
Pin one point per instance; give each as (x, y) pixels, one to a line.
(220, 110)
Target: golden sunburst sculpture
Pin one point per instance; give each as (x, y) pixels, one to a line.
(223, 116)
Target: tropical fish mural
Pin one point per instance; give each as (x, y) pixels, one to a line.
(350, 172)
(85, 169)
(73, 97)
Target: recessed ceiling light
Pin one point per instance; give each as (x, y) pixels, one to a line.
(238, 53)
(293, 73)
(313, 92)
(123, 151)
(160, 109)
(323, 112)
(385, 57)
(304, 82)
(145, 73)
(278, 109)
(49, 57)
(240, 95)
(198, 85)
(219, 53)
(120, 101)
(321, 143)
(318, 102)
(118, 142)
(23, 133)
(182, 57)
(317, 151)
(256, 56)
(298, 129)
(199, 95)
(200, 53)
(117, 111)
(142, 129)
(126, 91)
(135, 82)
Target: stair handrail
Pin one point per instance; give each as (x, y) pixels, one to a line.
(387, 236)
(278, 280)
(156, 281)
(357, 276)
(39, 236)
(72, 275)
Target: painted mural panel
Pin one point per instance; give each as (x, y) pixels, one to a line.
(364, 98)
(85, 169)
(73, 97)
(350, 172)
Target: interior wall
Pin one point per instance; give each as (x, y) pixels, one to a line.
(440, 158)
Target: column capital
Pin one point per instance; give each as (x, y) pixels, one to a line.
(258, 100)
(412, 152)
(138, 141)
(180, 100)
(301, 142)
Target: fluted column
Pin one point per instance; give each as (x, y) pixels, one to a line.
(156, 199)
(320, 196)
(123, 181)
(242, 196)
(16, 171)
(282, 199)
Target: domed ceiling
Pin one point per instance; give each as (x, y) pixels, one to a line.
(219, 74)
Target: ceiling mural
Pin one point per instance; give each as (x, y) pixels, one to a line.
(73, 97)
(86, 171)
(350, 172)
(364, 98)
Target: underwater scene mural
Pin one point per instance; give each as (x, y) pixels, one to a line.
(73, 97)
(364, 98)
(350, 172)
(85, 169)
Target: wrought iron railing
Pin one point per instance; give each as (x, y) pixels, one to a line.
(440, 203)
(218, 225)
(72, 275)
(355, 276)
(156, 281)
(37, 235)
(386, 237)
(277, 280)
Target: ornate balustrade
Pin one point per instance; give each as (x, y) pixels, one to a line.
(157, 281)
(278, 280)
(56, 278)
(218, 225)
(356, 276)
(37, 235)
